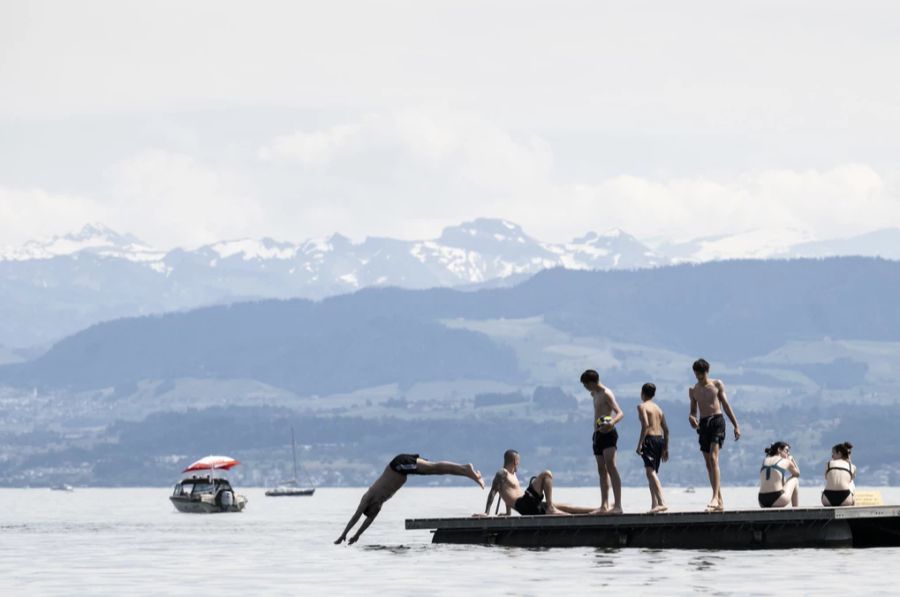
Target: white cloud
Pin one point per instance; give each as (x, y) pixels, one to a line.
(29, 214)
(841, 201)
(168, 199)
(313, 148)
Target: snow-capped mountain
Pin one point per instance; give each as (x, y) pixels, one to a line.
(51, 288)
(752, 244)
(92, 238)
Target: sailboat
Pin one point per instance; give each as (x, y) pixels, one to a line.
(292, 487)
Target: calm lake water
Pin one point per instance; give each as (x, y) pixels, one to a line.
(132, 541)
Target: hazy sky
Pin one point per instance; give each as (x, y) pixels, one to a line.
(186, 122)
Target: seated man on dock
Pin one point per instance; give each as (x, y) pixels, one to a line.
(537, 498)
(708, 397)
(653, 444)
(392, 479)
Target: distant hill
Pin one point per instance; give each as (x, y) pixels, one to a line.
(724, 311)
(56, 287)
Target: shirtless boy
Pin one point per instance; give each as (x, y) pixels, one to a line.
(708, 397)
(392, 479)
(606, 414)
(653, 444)
(537, 498)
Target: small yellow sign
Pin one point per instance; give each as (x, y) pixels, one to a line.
(867, 498)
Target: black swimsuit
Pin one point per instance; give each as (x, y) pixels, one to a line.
(836, 497)
(531, 503)
(766, 500)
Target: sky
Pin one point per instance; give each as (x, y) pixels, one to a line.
(187, 123)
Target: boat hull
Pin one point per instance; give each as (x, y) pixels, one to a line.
(290, 492)
(206, 504)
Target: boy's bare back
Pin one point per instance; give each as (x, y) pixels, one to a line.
(653, 415)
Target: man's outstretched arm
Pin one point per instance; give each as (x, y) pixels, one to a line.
(726, 406)
(362, 529)
(495, 489)
(350, 524)
(695, 408)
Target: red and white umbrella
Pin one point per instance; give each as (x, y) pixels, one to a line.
(212, 463)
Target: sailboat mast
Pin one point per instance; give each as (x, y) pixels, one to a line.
(294, 453)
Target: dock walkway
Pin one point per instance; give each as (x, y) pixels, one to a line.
(876, 526)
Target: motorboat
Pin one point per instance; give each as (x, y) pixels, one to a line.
(293, 487)
(207, 494)
(62, 487)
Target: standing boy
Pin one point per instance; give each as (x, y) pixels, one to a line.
(708, 397)
(606, 414)
(653, 445)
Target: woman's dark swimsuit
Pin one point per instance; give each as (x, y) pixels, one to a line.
(531, 503)
(836, 497)
(766, 500)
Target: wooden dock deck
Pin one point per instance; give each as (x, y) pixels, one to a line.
(875, 526)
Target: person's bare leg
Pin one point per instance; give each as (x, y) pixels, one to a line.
(609, 458)
(659, 504)
(792, 491)
(426, 467)
(570, 509)
(649, 472)
(604, 484)
(543, 485)
(712, 469)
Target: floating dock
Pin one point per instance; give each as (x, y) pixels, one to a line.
(784, 528)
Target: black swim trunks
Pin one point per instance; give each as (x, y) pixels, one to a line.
(652, 451)
(405, 464)
(711, 430)
(532, 503)
(606, 440)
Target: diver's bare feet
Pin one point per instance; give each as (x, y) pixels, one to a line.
(614, 510)
(340, 540)
(474, 475)
(603, 509)
(658, 509)
(353, 540)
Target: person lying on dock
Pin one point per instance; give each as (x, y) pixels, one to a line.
(840, 475)
(536, 499)
(605, 439)
(392, 479)
(776, 489)
(709, 400)
(653, 444)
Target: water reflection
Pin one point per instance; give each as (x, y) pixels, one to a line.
(706, 561)
(602, 557)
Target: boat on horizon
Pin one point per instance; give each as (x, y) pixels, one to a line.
(292, 487)
(62, 487)
(207, 494)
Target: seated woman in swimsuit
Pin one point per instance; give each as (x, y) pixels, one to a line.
(776, 489)
(839, 476)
